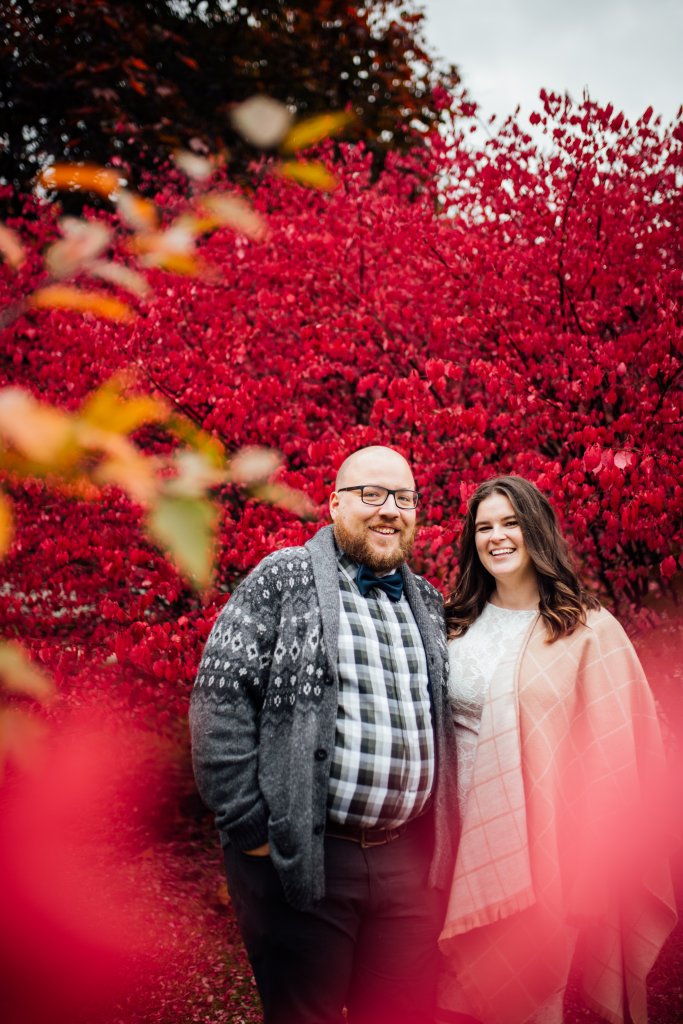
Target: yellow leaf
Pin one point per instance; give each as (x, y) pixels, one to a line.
(20, 676)
(313, 129)
(252, 466)
(262, 121)
(59, 296)
(11, 247)
(109, 409)
(6, 525)
(235, 212)
(138, 213)
(86, 177)
(185, 528)
(84, 241)
(39, 432)
(119, 274)
(313, 174)
(286, 497)
(176, 262)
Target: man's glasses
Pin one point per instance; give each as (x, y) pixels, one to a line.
(371, 495)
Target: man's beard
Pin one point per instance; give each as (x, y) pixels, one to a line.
(357, 547)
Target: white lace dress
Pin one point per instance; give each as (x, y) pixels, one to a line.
(497, 633)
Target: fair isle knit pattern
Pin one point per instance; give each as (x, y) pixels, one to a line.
(264, 709)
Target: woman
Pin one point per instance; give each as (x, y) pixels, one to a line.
(560, 769)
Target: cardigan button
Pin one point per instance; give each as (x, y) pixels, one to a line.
(318, 830)
(320, 754)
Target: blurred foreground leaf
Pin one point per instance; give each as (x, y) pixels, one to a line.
(262, 121)
(186, 528)
(110, 409)
(83, 242)
(306, 133)
(313, 174)
(6, 525)
(37, 431)
(19, 676)
(65, 297)
(82, 177)
(11, 248)
(286, 497)
(235, 212)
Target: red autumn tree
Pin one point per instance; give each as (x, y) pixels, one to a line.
(90, 81)
(519, 313)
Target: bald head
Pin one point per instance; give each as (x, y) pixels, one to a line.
(367, 465)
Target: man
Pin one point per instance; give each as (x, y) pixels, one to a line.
(323, 743)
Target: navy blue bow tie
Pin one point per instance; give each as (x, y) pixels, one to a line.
(392, 585)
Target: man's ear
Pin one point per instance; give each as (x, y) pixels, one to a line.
(334, 505)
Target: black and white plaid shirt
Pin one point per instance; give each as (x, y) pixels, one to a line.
(382, 771)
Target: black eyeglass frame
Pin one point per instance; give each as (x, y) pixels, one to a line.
(378, 504)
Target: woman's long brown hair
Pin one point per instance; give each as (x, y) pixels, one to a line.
(563, 601)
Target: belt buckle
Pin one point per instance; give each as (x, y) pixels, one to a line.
(389, 835)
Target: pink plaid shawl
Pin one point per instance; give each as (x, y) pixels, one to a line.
(561, 828)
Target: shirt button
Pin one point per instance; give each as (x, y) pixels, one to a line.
(320, 754)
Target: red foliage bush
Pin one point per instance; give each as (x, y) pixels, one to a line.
(507, 309)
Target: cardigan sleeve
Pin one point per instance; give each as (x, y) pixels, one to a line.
(225, 708)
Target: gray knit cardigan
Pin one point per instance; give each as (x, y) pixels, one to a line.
(264, 708)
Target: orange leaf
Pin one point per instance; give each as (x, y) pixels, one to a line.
(138, 213)
(59, 296)
(11, 247)
(312, 174)
(6, 525)
(313, 129)
(176, 262)
(88, 177)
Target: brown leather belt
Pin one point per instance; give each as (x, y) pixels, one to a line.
(365, 836)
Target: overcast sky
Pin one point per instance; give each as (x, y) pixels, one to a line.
(627, 52)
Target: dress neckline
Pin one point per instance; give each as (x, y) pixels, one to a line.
(512, 611)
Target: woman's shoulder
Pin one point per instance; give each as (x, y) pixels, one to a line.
(603, 623)
(600, 627)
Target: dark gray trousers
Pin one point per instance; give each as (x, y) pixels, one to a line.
(369, 945)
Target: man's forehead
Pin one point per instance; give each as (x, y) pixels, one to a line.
(378, 462)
